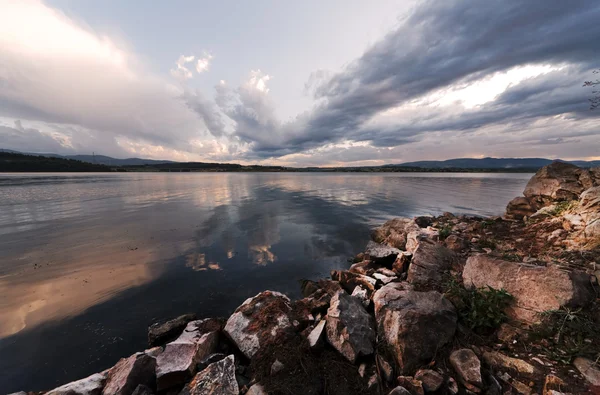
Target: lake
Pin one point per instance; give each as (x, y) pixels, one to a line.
(88, 261)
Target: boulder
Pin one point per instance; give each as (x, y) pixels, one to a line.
(413, 239)
(91, 385)
(162, 333)
(556, 182)
(258, 321)
(349, 327)
(177, 363)
(429, 262)
(589, 370)
(217, 379)
(128, 373)
(383, 279)
(361, 294)
(380, 253)
(589, 211)
(519, 208)
(468, 367)
(413, 325)
(430, 379)
(455, 243)
(535, 288)
(394, 232)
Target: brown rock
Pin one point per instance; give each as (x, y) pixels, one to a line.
(413, 325)
(380, 253)
(535, 288)
(555, 182)
(500, 361)
(128, 373)
(402, 262)
(553, 385)
(429, 262)
(399, 390)
(468, 367)
(430, 379)
(349, 327)
(455, 243)
(519, 208)
(385, 368)
(258, 321)
(349, 281)
(394, 232)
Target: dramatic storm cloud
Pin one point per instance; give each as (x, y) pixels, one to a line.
(447, 79)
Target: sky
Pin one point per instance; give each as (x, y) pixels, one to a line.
(311, 83)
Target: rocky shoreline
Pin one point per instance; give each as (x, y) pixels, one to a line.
(435, 305)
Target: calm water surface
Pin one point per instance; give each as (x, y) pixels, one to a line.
(88, 261)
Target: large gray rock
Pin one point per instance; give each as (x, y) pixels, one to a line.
(349, 327)
(258, 321)
(429, 262)
(177, 363)
(91, 385)
(535, 288)
(217, 379)
(381, 253)
(468, 367)
(414, 325)
(161, 333)
(128, 373)
(557, 181)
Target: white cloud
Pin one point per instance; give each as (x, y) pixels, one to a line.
(182, 72)
(203, 63)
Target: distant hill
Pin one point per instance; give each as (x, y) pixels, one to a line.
(15, 162)
(98, 159)
(490, 163)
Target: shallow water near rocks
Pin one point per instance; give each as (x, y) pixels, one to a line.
(88, 261)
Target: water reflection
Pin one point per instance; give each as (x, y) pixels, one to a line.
(90, 260)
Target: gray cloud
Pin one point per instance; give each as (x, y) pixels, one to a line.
(446, 43)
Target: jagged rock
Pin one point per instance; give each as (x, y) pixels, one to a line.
(535, 288)
(414, 238)
(316, 335)
(414, 325)
(128, 373)
(507, 333)
(555, 182)
(217, 379)
(468, 367)
(142, 390)
(349, 281)
(177, 363)
(589, 211)
(361, 294)
(429, 262)
(256, 389)
(394, 232)
(91, 385)
(380, 253)
(413, 385)
(500, 361)
(399, 390)
(386, 272)
(154, 351)
(162, 333)
(212, 358)
(258, 321)
(588, 369)
(430, 379)
(349, 327)
(452, 386)
(365, 268)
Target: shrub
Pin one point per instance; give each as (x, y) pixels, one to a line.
(568, 333)
(444, 232)
(482, 310)
(562, 206)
